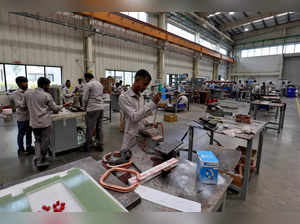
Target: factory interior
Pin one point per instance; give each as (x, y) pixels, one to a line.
(149, 111)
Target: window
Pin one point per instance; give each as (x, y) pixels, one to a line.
(126, 76)
(180, 32)
(33, 74)
(119, 76)
(109, 73)
(12, 72)
(2, 78)
(54, 74)
(279, 49)
(250, 52)
(9, 73)
(297, 48)
(257, 52)
(244, 53)
(265, 51)
(137, 15)
(273, 50)
(223, 51)
(289, 49)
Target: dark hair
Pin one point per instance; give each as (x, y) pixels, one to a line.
(42, 81)
(68, 81)
(117, 84)
(80, 81)
(88, 75)
(21, 79)
(142, 73)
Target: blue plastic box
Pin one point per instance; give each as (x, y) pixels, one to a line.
(207, 167)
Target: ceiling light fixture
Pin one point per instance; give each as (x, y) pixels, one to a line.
(217, 13)
(246, 29)
(231, 13)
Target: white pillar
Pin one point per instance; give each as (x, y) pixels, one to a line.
(196, 65)
(215, 70)
(161, 50)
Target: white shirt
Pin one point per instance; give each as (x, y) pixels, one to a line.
(40, 105)
(134, 109)
(93, 96)
(68, 95)
(22, 110)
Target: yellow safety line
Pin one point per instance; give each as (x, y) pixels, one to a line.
(298, 106)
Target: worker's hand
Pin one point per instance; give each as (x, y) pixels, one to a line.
(155, 125)
(156, 98)
(67, 104)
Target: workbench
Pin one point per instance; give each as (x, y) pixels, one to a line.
(235, 130)
(95, 170)
(183, 182)
(68, 129)
(64, 130)
(270, 98)
(280, 109)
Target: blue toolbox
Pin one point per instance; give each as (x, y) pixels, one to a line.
(207, 167)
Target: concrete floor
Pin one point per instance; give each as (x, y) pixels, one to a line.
(276, 189)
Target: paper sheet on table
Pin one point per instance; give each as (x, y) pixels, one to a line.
(168, 200)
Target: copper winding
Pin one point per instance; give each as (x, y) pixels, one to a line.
(116, 187)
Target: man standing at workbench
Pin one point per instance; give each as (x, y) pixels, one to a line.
(134, 109)
(23, 116)
(68, 93)
(40, 104)
(93, 101)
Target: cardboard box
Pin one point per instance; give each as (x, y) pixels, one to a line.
(207, 167)
(170, 117)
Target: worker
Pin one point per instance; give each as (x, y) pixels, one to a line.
(263, 89)
(40, 105)
(270, 87)
(80, 90)
(134, 109)
(233, 90)
(68, 93)
(182, 99)
(239, 87)
(22, 112)
(255, 91)
(93, 101)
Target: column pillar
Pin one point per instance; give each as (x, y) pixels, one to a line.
(161, 50)
(215, 70)
(196, 62)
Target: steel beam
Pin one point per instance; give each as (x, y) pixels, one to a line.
(241, 22)
(153, 31)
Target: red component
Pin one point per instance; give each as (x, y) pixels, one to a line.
(57, 202)
(63, 204)
(54, 205)
(44, 207)
(48, 208)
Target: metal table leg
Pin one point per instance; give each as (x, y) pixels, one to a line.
(246, 170)
(211, 141)
(276, 115)
(250, 109)
(191, 142)
(110, 111)
(259, 152)
(283, 115)
(280, 120)
(255, 111)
